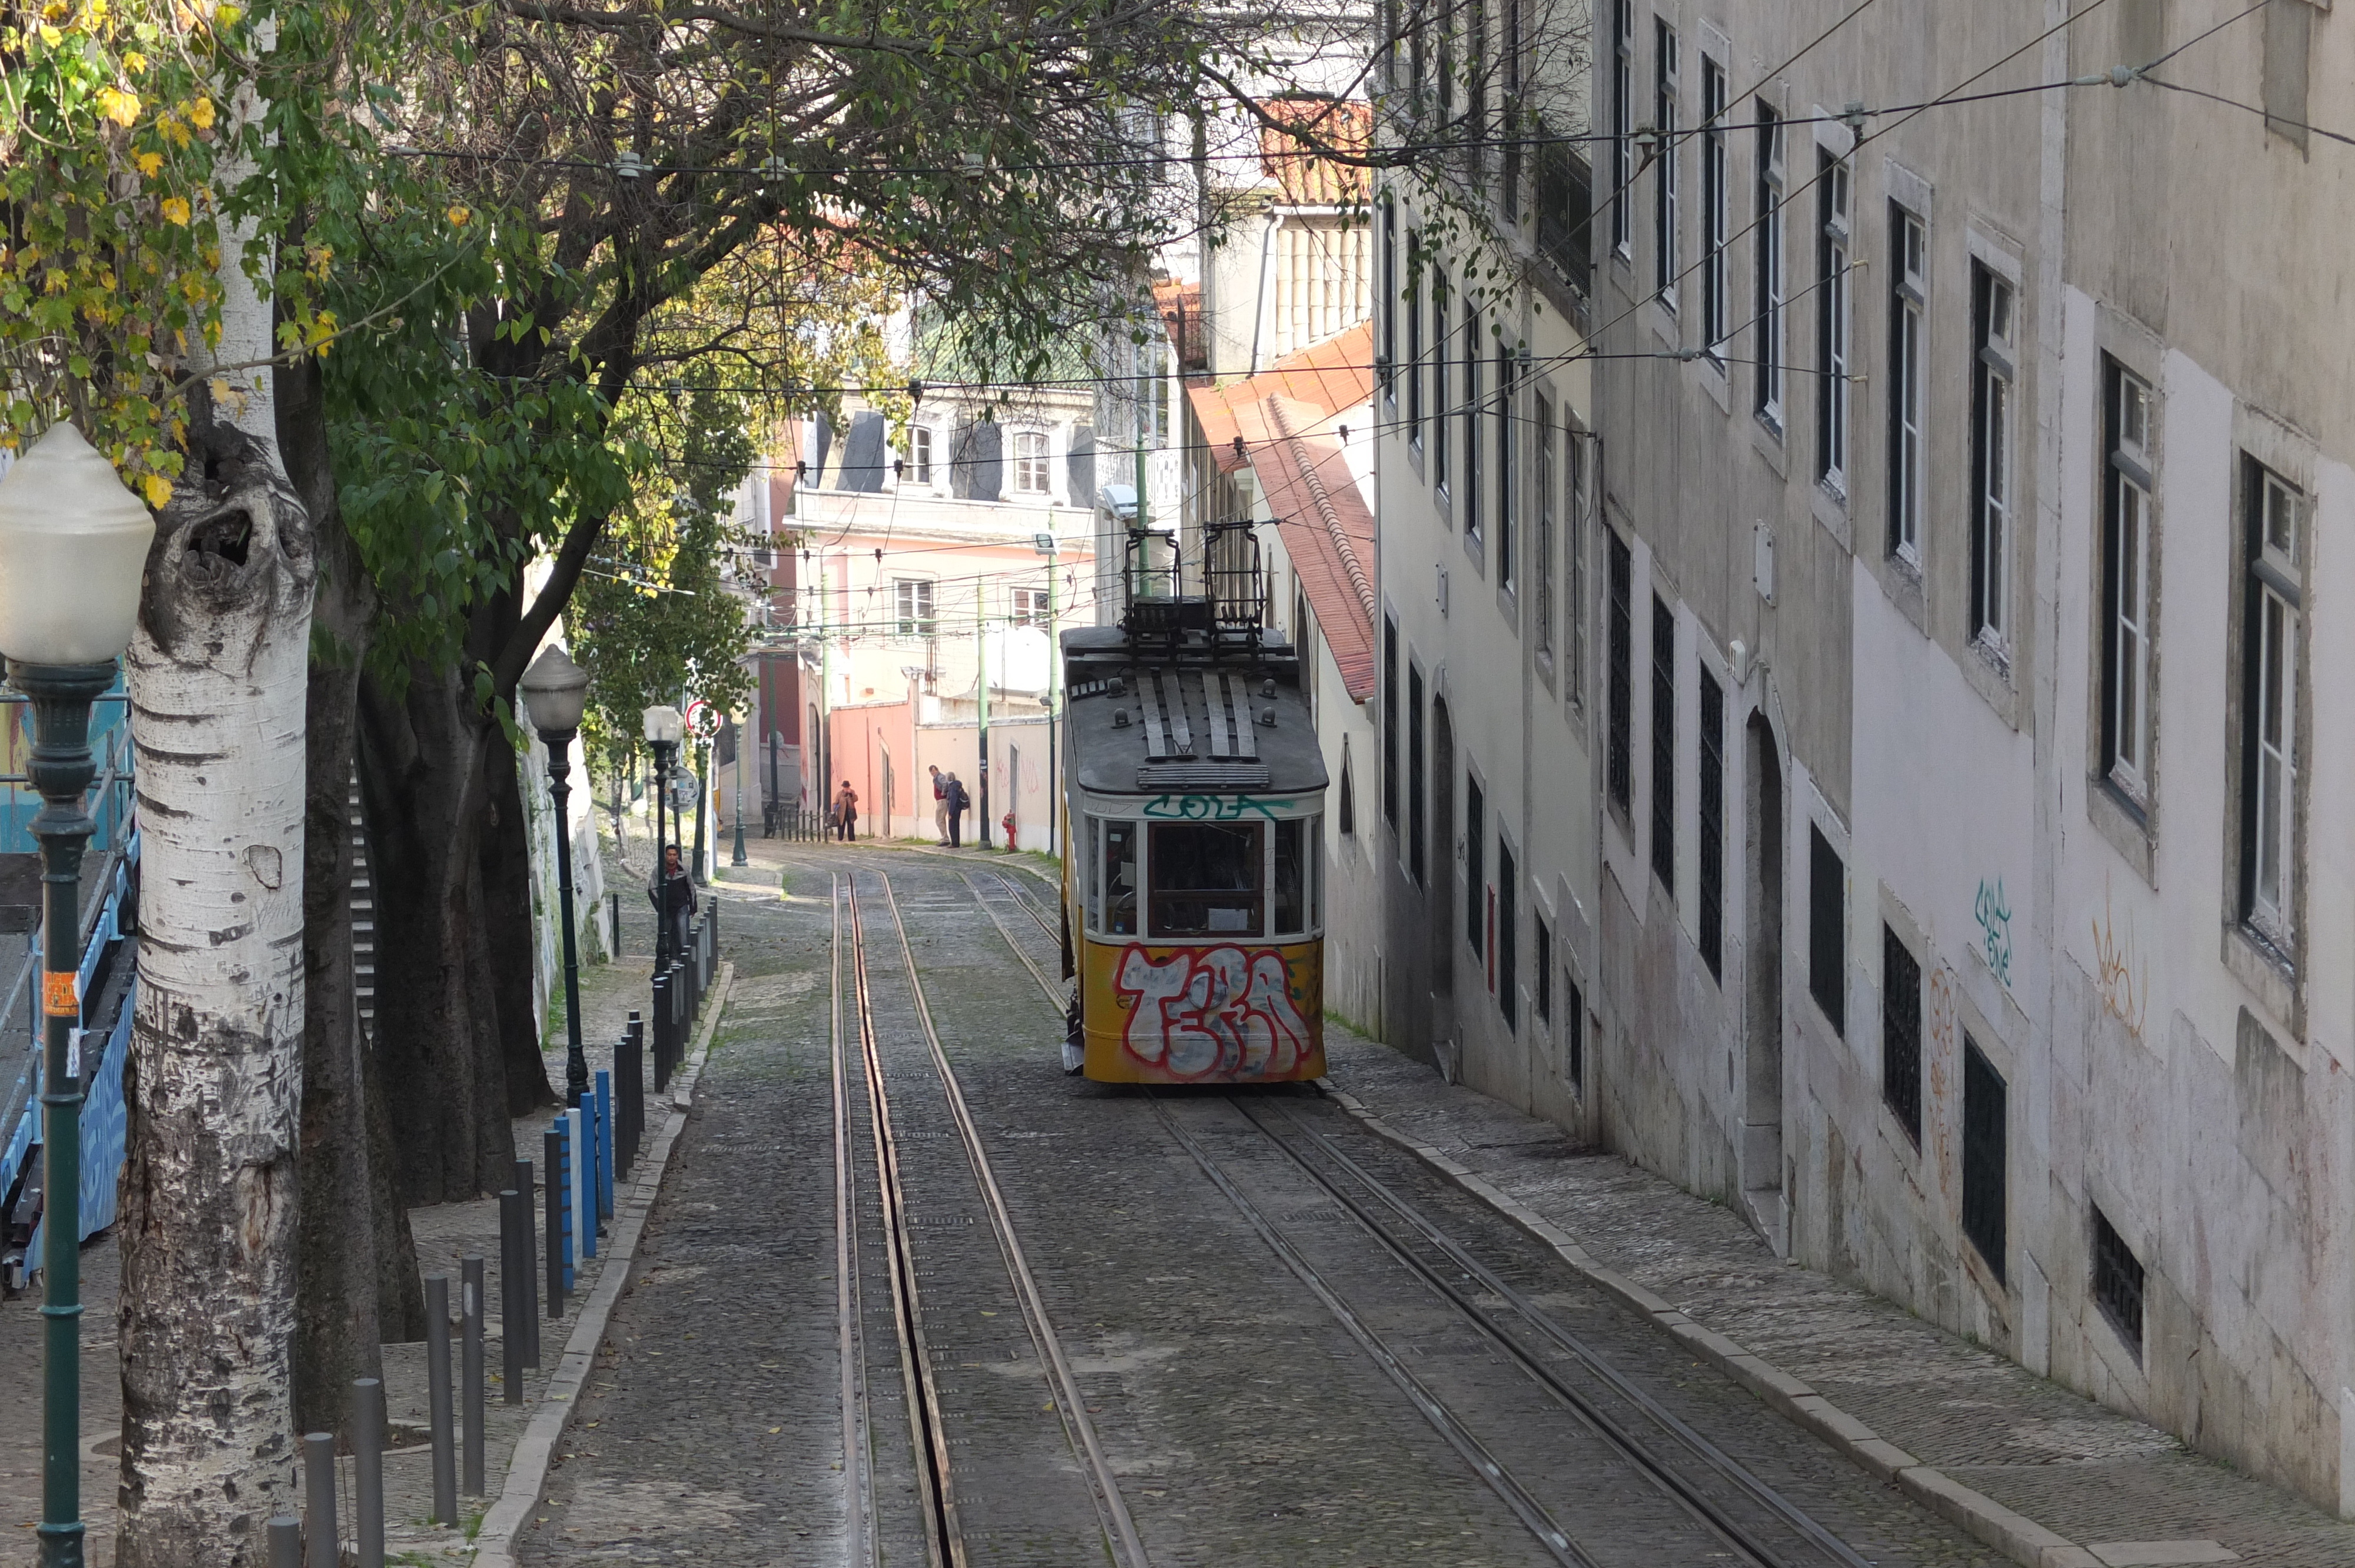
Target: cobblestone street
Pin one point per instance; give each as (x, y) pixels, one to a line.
(1265, 1381)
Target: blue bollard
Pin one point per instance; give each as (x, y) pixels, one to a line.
(605, 1144)
(584, 1178)
(563, 1177)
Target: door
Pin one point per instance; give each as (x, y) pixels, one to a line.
(1762, 1109)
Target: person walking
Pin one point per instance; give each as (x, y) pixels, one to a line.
(957, 801)
(674, 897)
(940, 804)
(846, 812)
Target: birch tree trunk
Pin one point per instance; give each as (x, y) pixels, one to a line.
(214, 1082)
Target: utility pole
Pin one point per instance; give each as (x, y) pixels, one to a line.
(981, 687)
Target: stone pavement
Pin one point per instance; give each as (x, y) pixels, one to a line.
(2052, 1479)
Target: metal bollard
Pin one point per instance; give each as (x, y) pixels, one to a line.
(285, 1541)
(470, 1383)
(583, 1183)
(615, 900)
(367, 1470)
(322, 1547)
(662, 1030)
(512, 1316)
(437, 1393)
(527, 1264)
(552, 1148)
(634, 1086)
(605, 1144)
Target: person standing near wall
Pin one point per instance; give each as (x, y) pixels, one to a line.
(940, 804)
(955, 802)
(846, 812)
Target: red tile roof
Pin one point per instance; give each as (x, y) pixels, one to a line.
(1302, 178)
(1328, 376)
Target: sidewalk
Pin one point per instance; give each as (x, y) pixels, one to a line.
(2051, 1479)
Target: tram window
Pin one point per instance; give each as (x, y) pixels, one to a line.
(1316, 872)
(1291, 896)
(1207, 879)
(1119, 879)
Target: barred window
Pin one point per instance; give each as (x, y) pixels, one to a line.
(1664, 746)
(1901, 1034)
(2117, 1282)
(1984, 1155)
(1712, 824)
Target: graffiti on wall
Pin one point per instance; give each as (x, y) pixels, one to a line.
(2122, 980)
(1202, 1012)
(1992, 909)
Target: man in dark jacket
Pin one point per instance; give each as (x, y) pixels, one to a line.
(674, 898)
(958, 802)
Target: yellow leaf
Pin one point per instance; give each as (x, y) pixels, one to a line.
(50, 36)
(226, 15)
(135, 62)
(118, 106)
(173, 130)
(150, 164)
(156, 488)
(200, 113)
(176, 210)
(459, 215)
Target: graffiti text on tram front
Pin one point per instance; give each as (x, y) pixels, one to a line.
(1212, 808)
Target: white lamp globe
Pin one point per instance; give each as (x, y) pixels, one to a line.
(555, 691)
(663, 726)
(73, 553)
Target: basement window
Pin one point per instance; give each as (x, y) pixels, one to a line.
(2118, 1283)
(1984, 1159)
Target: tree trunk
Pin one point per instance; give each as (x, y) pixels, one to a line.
(356, 1280)
(422, 790)
(509, 936)
(216, 673)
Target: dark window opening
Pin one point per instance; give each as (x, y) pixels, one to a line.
(1542, 960)
(1119, 879)
(1620, 766)
(1416, 785)
(1349, 798)
(1712, 825)
(1471, 416)
(1901, 1034)
(1827, 928)
(2118, 1283)
(1292, 872)
(1983, 1156)
(1503, 421)
(1507, 919)
(1205, 879)
(1573, 1045)
(1475, 862)
(1664, 746)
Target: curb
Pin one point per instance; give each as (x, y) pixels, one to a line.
(2018, 1537)
(528, 1470)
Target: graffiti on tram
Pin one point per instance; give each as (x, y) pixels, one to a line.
(1227, 1011)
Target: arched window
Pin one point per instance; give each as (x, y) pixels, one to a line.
(1348, 796)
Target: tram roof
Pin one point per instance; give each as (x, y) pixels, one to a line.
(1193, 721)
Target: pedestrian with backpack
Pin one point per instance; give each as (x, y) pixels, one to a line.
(958, 803)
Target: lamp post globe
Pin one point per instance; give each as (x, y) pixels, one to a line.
(74, 556)
(662, 727)
(555, 691)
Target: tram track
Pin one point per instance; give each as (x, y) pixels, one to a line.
(929, 1404)
(1736, 1513)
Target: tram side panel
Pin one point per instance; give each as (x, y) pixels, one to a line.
(1238, 1012)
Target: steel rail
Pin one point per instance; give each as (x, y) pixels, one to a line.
(1586, 1355)
(1524, 1503)
(866, 1544)
(1037, 973)
(1028, 905)
(944, 1543)
(1128, 1548)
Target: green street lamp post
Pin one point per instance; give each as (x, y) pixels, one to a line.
(555, 690)
(663, 727)
(737, 856)
(73, 552)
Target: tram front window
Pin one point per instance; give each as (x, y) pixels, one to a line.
(1206, 879)
(1290, 874)
(1119, 879)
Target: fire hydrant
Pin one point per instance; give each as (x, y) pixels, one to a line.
(1007, 821)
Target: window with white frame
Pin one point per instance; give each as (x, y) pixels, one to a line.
(1909, 295)
(1664, 120)
(1030, 462)
(1541, 538)
(1832, 325)
(1029, 607)
(912, 599)
(1471, 412)
(2128, 653)
(1714, 193)
(1573, 561)
(2272, 612)
(919, 454)
(1623, 145)
(1440, 382)
(1408, 299)
(1389, 301)
(1769, 241)
(1993, 374)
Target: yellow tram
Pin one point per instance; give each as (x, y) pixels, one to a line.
(1193, 854)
